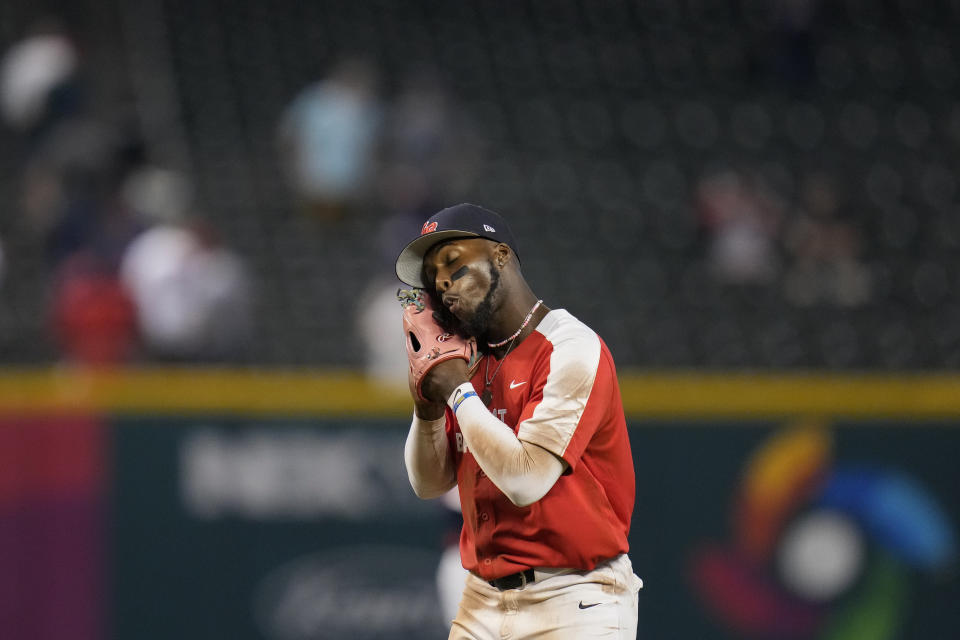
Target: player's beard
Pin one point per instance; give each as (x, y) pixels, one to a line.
(478, 324)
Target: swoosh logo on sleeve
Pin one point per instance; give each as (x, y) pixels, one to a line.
(587, 606)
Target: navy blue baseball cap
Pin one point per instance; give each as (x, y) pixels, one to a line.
(459, 221)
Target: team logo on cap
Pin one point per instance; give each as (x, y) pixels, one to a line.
(428, 227)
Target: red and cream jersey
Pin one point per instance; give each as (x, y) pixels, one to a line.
(558, 389)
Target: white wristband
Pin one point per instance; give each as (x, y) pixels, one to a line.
(460, 394)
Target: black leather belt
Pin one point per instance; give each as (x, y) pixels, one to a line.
(513, 581)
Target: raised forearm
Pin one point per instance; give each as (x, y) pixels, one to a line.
(523, 471)
(427, 457)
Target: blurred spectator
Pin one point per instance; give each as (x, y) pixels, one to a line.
(742, 218)
(824, 252)
(38, 81)
(93, 317)
(430, 152)
(158, 195)
(385, 355)
(192, 295)
(379, 311)
(74, 159)
(72, 192)
(64, 184)
(328, 139)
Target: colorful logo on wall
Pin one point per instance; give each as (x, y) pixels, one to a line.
(820, 549)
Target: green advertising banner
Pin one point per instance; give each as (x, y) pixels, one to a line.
(271, 529)
(306, 529)
(206, 504)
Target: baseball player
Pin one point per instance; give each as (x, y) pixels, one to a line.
(518, 406)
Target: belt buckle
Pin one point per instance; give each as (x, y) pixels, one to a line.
(511, 581)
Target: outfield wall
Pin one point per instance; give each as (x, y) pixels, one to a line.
(207, 504)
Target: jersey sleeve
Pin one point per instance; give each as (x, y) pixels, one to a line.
(553, 417)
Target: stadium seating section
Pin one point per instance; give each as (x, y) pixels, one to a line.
(600, 119)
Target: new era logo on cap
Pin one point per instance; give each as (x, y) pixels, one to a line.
(458, 221)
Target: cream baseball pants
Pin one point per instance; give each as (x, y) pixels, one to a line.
(558, 605)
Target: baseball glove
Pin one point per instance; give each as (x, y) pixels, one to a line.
(428, 343)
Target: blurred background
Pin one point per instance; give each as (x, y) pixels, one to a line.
(754, 202)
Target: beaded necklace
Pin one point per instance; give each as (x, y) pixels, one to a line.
(487, 395)
(494, 345)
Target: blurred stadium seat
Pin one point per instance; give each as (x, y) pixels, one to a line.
(598, 121)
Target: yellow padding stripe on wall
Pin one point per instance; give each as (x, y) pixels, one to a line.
(738, 394)
(180, 390)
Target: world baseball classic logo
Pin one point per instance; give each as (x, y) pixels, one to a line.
(820, 549)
